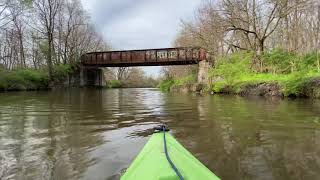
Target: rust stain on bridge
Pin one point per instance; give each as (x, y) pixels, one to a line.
(144, 57)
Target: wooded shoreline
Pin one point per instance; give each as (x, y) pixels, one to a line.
(234, 75)
(268, 48)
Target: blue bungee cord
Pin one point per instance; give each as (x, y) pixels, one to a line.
(164, 129)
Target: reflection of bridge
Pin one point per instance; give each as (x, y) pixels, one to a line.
(92, 74)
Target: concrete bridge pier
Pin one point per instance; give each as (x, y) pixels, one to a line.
(92, 76)
(203, 73)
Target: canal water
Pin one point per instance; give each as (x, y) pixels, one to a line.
(95, 134)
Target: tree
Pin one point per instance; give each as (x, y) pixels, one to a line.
(45, 33)
(226, 26)
(47, 12)
(122, 73)
(17, 9)
(254, 20)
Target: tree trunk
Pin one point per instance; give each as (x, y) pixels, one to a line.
(260, 53)
(22, 55)
(49, 56)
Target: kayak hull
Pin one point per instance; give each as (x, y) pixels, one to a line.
(151, 163)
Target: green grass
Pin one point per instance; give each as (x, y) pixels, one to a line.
(291, 84)
(292, 72)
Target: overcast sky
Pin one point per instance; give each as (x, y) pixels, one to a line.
(137, 24)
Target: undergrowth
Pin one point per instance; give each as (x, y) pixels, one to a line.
(31, 79)
(292, 72)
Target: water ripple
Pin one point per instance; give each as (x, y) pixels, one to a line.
(88, 133)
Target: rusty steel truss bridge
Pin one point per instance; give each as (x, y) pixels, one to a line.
(92, 63)
(144, 57)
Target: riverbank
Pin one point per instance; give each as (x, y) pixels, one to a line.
(285, 75)
(293, 85)
(33, 79)
(308, 86)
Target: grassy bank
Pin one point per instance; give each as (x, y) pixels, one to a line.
(295, 84)
(282, 74)
(167, 84)
(294, 74)
(31, 79)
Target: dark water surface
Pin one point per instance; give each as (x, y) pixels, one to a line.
(95, 134)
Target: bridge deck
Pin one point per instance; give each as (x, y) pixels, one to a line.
(144, 57)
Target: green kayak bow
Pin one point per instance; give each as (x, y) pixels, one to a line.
(164, 158)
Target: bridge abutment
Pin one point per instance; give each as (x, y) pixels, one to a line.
(203, 72)
(92, 76)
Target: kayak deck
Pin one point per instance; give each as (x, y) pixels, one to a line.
(151, 163)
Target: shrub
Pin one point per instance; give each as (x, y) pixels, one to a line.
(230, 68)
(1, 67)
(165, 85)
(190, 79)
(311, 61)
(60, 72)
(35, 78)
(115, 84)
(219, 86)
(281, 61)
(23, 80)
(31, 79)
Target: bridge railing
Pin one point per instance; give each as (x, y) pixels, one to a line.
(167, 56)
